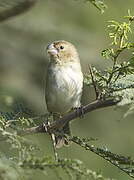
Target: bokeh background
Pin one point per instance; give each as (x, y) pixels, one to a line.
(23, 63)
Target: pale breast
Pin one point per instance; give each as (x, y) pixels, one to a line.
(63, 88)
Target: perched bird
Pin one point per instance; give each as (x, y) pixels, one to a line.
(64, 82)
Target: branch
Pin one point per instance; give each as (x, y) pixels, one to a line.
(59, 124)
(14, 8)
(125, 164)
(99, 5)
(93, 81)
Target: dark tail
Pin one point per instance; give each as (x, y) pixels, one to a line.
(60, 140)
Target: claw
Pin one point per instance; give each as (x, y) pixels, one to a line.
(79, 111)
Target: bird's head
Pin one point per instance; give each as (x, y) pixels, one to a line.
(62, 52)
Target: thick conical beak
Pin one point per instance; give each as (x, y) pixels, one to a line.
(51, 50)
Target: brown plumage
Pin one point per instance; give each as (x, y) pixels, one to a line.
(64, 81)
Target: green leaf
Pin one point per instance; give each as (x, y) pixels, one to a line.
(107, 53)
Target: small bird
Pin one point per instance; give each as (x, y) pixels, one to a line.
(64, 83)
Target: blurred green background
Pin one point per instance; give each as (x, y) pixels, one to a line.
(23, 62)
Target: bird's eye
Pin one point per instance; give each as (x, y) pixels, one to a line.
(61, 47)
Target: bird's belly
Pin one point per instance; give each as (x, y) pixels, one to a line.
(64, 91)
(60, 99)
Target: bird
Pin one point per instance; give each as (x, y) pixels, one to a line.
(64, 83)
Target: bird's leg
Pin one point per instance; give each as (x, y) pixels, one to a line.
(56, 116)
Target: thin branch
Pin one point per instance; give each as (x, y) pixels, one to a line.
(59, 124)
(93, 81)
(15, 8)
(125, 164)
(114, 59)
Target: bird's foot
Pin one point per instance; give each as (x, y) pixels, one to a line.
(79, 111)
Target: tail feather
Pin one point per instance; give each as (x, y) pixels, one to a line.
(60, 140)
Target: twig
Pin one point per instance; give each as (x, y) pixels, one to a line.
(16, 9)
(53, 142)
(117, 160)
(93, 81)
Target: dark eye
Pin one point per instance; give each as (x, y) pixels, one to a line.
(61, 47)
